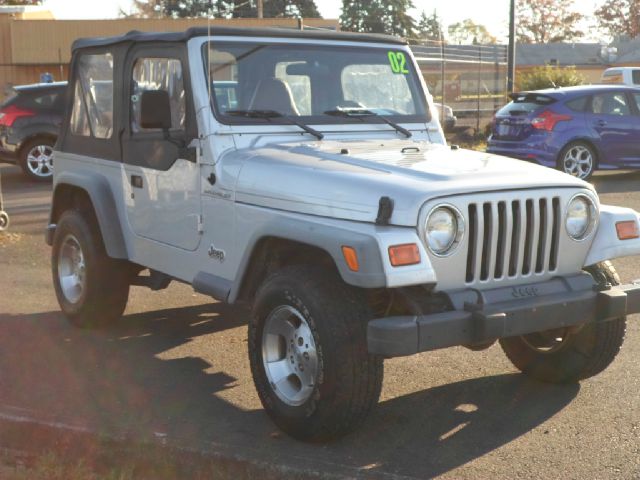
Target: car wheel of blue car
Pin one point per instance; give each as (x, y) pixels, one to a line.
(578, 159)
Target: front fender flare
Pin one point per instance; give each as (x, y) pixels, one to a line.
(371, 243)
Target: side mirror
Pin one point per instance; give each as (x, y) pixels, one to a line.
(155, 109)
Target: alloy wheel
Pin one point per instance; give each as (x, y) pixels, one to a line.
(289, 355)
(578, 161)
(40, 161)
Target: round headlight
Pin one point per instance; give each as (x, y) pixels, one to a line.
(443, 230)
(581, 215)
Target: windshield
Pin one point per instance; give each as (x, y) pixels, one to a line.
(307, 81)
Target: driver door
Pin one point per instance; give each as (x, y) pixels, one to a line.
(162, 183)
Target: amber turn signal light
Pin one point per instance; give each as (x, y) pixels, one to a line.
(351, 257)
(627, 230)
(401, 255)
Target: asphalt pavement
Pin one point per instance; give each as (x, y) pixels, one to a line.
(174, 371)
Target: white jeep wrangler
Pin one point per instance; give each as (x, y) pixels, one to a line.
(305, 173)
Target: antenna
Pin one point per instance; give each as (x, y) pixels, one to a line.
(209, 112)
(209, 49)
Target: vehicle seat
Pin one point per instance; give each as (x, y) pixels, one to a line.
(273, 94)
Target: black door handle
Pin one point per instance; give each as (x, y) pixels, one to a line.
(136, 181)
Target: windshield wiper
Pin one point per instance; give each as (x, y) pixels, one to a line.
(360, 113)
(268, 114)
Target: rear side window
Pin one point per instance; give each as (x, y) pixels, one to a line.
(37, 99)
(92, 114)
(635, 77)
(610, 103)
(578, 104)
(46, 100)
(524, 105)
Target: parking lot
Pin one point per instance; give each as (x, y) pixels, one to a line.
(175, 370)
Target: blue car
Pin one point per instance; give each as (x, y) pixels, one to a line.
(574, 129)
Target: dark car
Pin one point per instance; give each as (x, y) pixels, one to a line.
(574, 129)
(29, 123)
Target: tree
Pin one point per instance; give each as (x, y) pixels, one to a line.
(20, 2)
(544, 21)
(550, 77)
(620, 17)
(429, 27)
(378, 16)
(276, 8)
(223, 8)
(468, 31)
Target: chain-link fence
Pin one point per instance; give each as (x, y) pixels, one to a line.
(471, 79)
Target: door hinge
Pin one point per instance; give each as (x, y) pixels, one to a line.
(200, 224)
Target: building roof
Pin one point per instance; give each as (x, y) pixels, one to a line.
(216, 30)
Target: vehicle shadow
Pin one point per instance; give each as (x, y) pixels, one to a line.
(119, 382)
(434, 431)
(113, 379)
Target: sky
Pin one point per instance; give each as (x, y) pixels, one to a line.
(491, 13)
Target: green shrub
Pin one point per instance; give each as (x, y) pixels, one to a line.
(550, 77)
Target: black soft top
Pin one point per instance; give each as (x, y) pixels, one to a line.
(217, 30)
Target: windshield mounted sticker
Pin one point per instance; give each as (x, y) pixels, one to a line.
(398, 62)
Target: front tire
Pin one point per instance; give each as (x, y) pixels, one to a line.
(578, 159)
(308, 354)
(92, 288)
(566, 355)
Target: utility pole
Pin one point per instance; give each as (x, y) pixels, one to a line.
(260, 9)
(511, 55)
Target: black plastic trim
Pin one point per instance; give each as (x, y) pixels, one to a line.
(235, 32)
(482, 322)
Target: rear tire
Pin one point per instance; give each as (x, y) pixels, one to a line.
(563, 356)
(36, 159)
(578, 159)
(92, 288)
(329, 381)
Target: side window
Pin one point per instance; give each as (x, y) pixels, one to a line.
(158, 74)
(578, 104)
(300, 85)
(92, 114)
(611, 103)
(635, 77)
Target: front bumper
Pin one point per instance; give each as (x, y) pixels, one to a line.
(503, 312)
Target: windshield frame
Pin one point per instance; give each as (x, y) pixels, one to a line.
(415, 85)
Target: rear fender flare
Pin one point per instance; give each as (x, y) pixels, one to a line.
(104, 205)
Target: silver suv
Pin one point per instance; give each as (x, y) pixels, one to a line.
(305, 173)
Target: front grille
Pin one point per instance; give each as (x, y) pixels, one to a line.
(512, 238)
